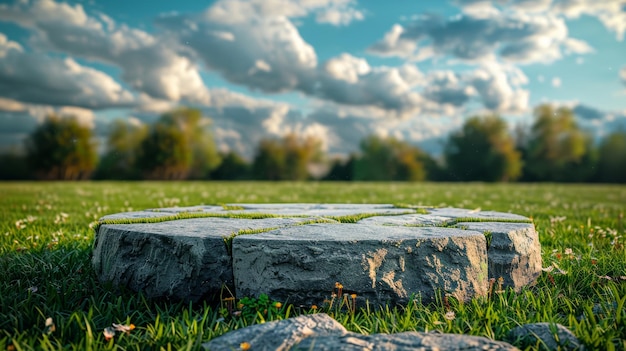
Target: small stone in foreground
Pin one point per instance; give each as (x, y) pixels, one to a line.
(408, 341)
(552, 336)
(319, 332)
(278, 335)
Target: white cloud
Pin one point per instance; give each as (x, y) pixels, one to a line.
(556, 82)
(577, 46)
(350, 80)
(149, 64)
(499, 88)
(335, 12)
(612, 13)
(339, 16)
(256, 46)
(447, 88)
(515, 37)
(622, 74)
(10, 105)
(35, 78)
(475, 37)
(392, 44)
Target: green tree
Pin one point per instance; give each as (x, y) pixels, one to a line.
(612, 158)
(482, 150)
(341, 170)
(61, 148)
(123, 147)
(165, 153)
(178, 146)
(232, 167)
(14, 166)
(286, 159)
(196, 131)
(389, 159)
(557, 149)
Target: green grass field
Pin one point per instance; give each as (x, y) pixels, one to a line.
(45, 270)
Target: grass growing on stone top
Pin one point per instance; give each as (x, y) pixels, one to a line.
(45, 253)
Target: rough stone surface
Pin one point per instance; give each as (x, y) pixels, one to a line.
(319, 332)
(408, 341)
(514, 252)
(302, 264)
(387, 256)
(279, 335)
(551, 336)
(184, 259)
(456, 213)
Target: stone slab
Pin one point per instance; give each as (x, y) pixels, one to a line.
(319, 332)
(383, 258)
(184, 259)
(302, 264)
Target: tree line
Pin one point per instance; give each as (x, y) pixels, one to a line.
(180, 146)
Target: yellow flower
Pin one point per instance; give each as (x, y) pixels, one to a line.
(314, 307)
(278, 305)
(244, 346)
(353, 296)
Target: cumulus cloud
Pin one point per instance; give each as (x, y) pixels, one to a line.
(500, 88)
(556, 82)
(149, 64)
(622, 75)
(612, 13)
(350, 80)
(265, 53)
(497, 87)
(447, 87)
(40, 79)
(335, 12)
(268, 54)
(514, 37)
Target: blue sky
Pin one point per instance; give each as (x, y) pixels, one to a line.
(338, 70)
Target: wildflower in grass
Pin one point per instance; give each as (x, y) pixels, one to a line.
(450, 315)
(568, 251)
(50, 327)
(32, 289)
(109, 333)
(278, 305)
(244, 346)
(123, 328)
(314, 307)
(552, 267)
(61, 218)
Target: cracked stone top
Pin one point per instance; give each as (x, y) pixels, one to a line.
(297, 252)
